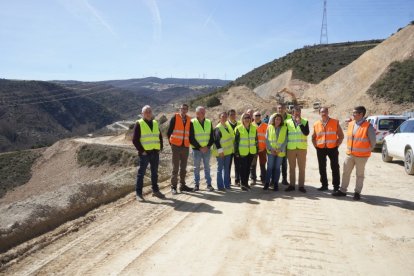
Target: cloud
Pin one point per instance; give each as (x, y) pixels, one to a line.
(84, 10)
(156, 18)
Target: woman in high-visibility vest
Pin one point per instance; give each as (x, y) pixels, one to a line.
(223, 148)
(245, 147)
(276, 149)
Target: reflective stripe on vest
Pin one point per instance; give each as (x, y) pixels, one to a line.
(150, 139)
(181, 132)
(202, 135)
(358, 144)
(226, 141)
(261, 135)
(326, 136)
(296, 139)
(247, 143)
(276, 142)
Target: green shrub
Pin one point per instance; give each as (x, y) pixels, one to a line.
(213, 101)
(98, 155)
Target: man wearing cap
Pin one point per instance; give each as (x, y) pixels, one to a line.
(147, 139)
(179, 137)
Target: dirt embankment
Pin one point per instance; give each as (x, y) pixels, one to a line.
(61, 189)
(347, 87)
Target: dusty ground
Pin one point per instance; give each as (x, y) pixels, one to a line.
(238, 233)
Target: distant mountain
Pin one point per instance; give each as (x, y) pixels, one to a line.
(36, 113)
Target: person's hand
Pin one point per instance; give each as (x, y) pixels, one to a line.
(144, 153)
(274, 152)
(297, 119)
(221, 155)
(204, 149)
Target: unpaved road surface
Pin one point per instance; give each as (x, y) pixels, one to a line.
(239, 233)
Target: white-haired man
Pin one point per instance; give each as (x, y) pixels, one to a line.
(147, 139)
(201, 139)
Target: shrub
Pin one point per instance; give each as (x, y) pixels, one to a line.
(212, 101)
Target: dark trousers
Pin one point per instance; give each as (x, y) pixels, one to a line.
(284, 168)
(244, 168)
(179, 162)
(333, 158)
(236, 167)
(152, 159)
(262, 156)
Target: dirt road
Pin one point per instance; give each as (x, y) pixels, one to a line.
(239, 233)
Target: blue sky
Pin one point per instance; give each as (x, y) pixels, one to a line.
(105, 39)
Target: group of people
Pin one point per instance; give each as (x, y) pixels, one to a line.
(251, 140)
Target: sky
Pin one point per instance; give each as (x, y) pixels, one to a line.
(92, 40)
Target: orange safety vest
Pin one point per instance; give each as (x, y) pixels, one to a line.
(326, 136)
(181, 132)
(358, 145)
(261, 135)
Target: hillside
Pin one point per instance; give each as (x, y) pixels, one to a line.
(311, 64)
(37, 113)
(348, 87)
(396, 84)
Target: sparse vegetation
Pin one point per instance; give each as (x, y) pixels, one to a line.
(98, 155)
(15, 169)
(397, 84)
(311, 63)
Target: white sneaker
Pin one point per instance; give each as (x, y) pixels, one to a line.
(140, 198)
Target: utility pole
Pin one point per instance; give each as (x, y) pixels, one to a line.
(324, 29)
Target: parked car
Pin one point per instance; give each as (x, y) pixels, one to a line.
(400, 145)
(384, 125)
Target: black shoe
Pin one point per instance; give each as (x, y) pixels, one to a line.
(339, 193)
(266, 186)
(244, 188)
(323, 188)
(285, 182)
(302, 189)
(221, 189)
(196, 188)
(174, 191)
(357, 196)
(290, 188)
(237, 183)
(158, 194)
(210, 188)
(185, 188)
(336, 189)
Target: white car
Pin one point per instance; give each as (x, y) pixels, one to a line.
(384, 125)
(400, 145)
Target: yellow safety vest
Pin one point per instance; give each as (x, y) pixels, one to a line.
(226, 141)
(276, 142)
(296, 139)
(247, 143)
(202, 135)
(150, 139)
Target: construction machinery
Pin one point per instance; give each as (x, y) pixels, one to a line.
(289, 98)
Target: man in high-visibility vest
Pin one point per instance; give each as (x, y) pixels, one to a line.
(179, 138)
(201, 139)
(327, 136)
(297, 145)
(147, 139)
(232, 123)
(281, 109)
(360, 142)
(261, 128)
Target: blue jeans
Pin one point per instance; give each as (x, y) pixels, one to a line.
(223, 172)
(273, 169)
(197, 157)
(152, 159)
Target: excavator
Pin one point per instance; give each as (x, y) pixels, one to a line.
(280, 97)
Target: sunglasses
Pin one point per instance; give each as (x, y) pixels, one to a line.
(246, 118)
(258, 115)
